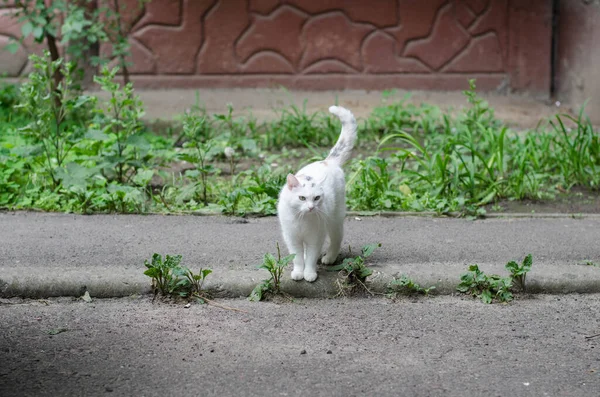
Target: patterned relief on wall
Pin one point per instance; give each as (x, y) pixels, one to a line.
(207, 37)
(246, 42)
(321, 36)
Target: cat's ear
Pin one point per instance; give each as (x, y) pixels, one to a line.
(292, 181)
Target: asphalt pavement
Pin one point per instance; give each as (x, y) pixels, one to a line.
(541, 345)
(50, 254)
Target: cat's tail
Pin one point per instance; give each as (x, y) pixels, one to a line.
(343, 147)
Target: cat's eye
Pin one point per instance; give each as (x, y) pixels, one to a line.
(302, 198)
(317, 198)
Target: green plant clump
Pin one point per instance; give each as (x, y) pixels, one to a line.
(171, 279)
(354, 271)
(406, 286)
(65, 151)
(275, 268)
(487, 288)
(519, 272)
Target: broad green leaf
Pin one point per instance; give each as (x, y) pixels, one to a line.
(474, 268)
(156, 260)
(336, 268)
(26, 29)
(527, 263)
(257, 293)
(368, 249)
(486, 296)
(12, 47)
(287, 259)
(142, 178)
(365, 272)
(512, 266)
(38, 33)
(152, 272)
(139, 142)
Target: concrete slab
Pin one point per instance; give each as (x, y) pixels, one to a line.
(45, 255)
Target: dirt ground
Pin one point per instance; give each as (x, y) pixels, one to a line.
(437, 346)
(578, 201)
(517, 111)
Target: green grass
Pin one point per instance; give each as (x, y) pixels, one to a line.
(408, 158)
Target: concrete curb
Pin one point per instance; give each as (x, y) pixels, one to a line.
(39, 283)
(48, 255)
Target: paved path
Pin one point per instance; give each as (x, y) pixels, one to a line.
(434, 346)
(45, 255)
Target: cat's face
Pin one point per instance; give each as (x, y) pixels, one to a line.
(305, 194)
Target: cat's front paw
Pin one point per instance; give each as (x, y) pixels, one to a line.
(310, 276)
(328, 259)
(297, 275)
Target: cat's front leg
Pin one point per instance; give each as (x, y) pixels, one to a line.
(297, 248)
(313, 251)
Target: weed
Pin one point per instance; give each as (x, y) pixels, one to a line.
(591, 263)
(371, 186)
(196, 282)
(297, 128)
(405, 285)
(354, 271)
(487, 288)
(58, 116)
(275, 268)
(171, 279)
(235, 133)
(121, 123)
(519, 272)
(198, 151)
(100, 158)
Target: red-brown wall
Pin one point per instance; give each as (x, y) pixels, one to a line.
(577, 75)
(335, 44)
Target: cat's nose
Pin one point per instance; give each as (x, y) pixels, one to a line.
(311, 207)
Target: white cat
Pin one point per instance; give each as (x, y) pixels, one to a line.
(312, 204)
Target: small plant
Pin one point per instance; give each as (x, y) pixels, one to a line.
(169, 278)
(519, 272)
(405, 285)
(591, 263)
(57, 113)
(197, 151)
(353, 271)
(487, 288)
(275, 268)
(196, 281)
(121, 123)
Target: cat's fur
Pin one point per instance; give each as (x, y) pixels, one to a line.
(312, 204)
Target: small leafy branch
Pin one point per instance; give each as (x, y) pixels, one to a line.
(78, 27)
(354, 271)
(170, 278)
(405, 285)
(487, 288)
(275, 268)
(519, 272)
